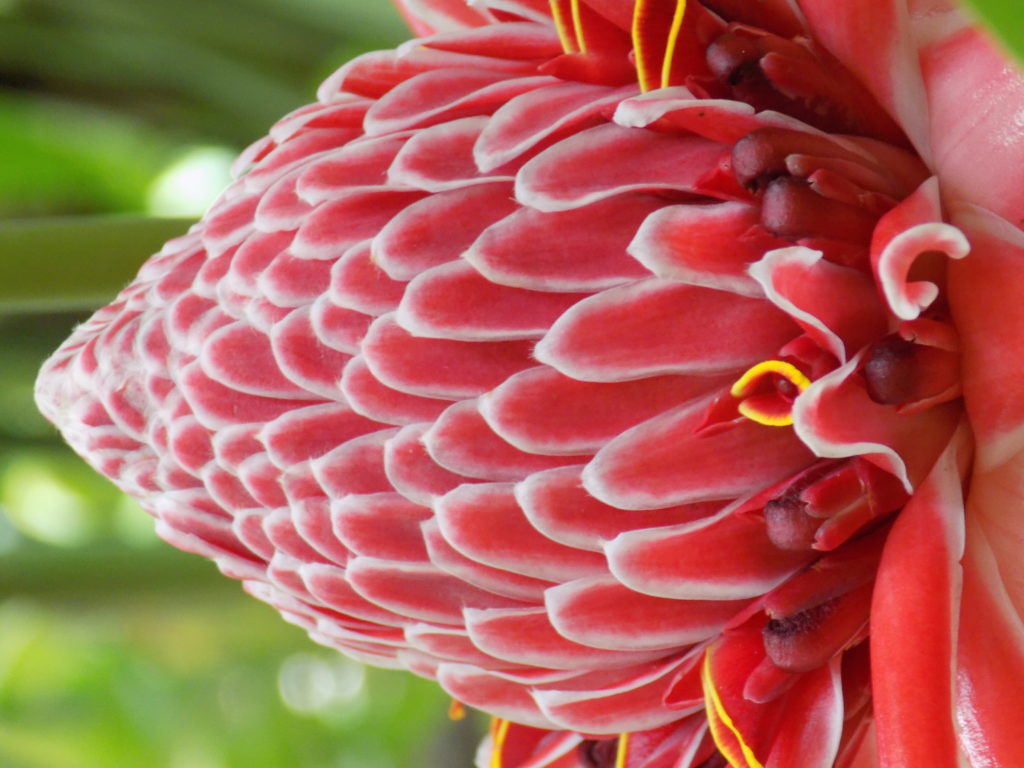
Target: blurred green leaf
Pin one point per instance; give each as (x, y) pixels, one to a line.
(75, 263)
(1006, 20)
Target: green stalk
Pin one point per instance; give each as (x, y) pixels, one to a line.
(74, 264)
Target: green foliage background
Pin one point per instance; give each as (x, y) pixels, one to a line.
(117, 651)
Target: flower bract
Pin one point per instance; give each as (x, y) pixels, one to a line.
(647, 373)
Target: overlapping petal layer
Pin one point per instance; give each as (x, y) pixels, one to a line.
(623, 415)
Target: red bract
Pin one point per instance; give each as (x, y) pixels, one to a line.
(616, 365)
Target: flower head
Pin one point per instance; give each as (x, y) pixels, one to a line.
(623, 366)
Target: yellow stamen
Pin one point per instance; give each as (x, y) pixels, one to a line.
(577, 24)
(623, 751)
(747, 383)
(563, 27)
(638, 49)
(789, 372)
(499, 732)
(718, 717)
(673, 41)
(456, 711)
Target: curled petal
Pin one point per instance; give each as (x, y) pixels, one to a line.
(901, 237)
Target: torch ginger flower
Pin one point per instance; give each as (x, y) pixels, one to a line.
(624, 367)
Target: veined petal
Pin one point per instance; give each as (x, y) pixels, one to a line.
(664, 461)
(526, 636)
(836, 305)
(558, 506)
(611, 160)
(657, 326)
(522, 251)
(454, 301)
(439, 228)
(599, 611)
(917, 593)
(543, 411)
(484, 522)
(706, 245)
(723, 557)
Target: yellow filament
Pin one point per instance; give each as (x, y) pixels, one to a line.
(563, 27)
(673, 41)
(623, 751)
(638, 50)
(791, 373)
(456, 711)
(499, 732)
(783, 420)
(577, 24)
(716, 713)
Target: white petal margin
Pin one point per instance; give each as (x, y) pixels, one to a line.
(807, 427)
(796, 255)
(606, 710)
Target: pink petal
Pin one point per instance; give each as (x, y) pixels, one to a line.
(989, 315)
(382, 525)
(837, 306)
(369, 397)
(520, 250)
(706, 245)
(725, 557)
(476, 687)
(609, 160)
(496, 580)
(543, 411)
(441, 158)
(358, 164)
(419, 590)
(915, 596)
(634, 704)
(454, 301)
(557, 505)
(975, 92)
(216, 406)
(529, 119)
(355, 466)
(329, 584)
(657, 326)
(990, 660)
(311, 432)
(664, 461)
(461, 441)
(525, 636)
(836, 419)
(439, 367)
(888, 67)
(412, 471)
(337, 225)
(600, 612)
(911, 229)
(357, 283)
(302, 358)
(429, 16)
(336, 327)
(484, 522)
(439, 228)
(445, 94)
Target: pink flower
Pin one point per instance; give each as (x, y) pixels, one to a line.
(625, 369)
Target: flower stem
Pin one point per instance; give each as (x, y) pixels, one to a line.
(69, 264)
